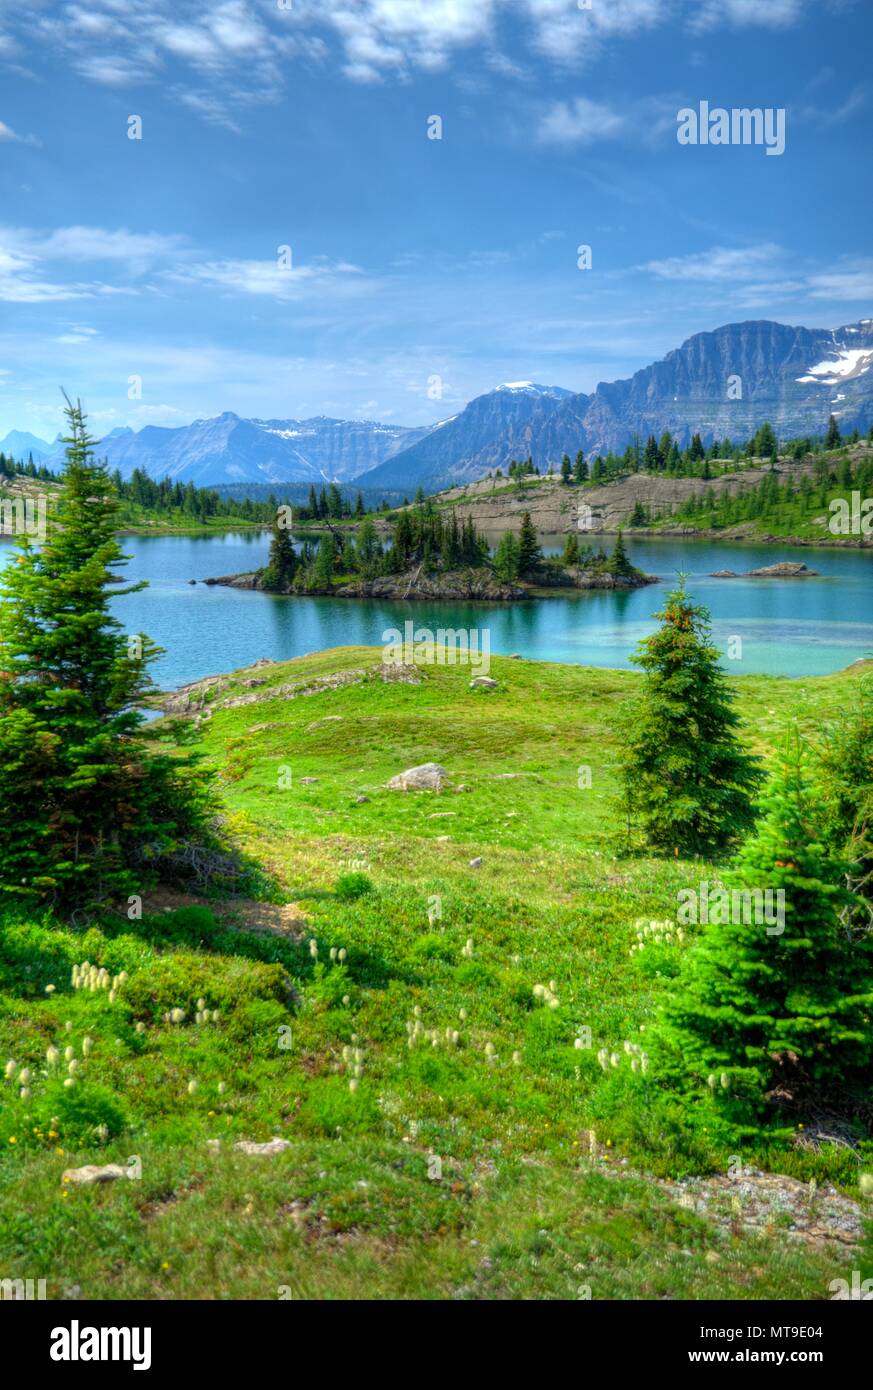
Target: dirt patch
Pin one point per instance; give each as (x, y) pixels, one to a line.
(239, 914)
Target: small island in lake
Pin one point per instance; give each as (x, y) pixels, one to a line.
(431, 556)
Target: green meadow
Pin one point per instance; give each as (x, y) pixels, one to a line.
(422, 1030)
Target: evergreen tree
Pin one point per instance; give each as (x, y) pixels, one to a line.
(571, 550)
(325, 561)
(359, 505)
(833, 438)
(775, 1002)
(580, 468)
(846, 763)
(506, 558)
(618, 564)
(530, 555)
(688, 781)
(696, 451)
(281, 567)
(88, 810)
(765, 443)
(566, 469)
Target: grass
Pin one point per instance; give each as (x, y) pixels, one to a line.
(548, 1180)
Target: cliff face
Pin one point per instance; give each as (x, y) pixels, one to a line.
(720, 384)
(727, 383)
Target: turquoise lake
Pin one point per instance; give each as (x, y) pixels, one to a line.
(795, 627)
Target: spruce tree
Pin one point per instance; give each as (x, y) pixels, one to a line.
(761, 1016)
(833, 438)
(618, 564)
(281, 565)
(571, 550)
(846, 769)
(566, 469)
(688, 782)
(530, 555)
(87, 809)
(506, 558)
(580, 468)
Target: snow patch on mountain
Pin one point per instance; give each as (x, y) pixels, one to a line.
(851, 362)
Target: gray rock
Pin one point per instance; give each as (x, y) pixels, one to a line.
(93, 1172)
(429, 777)
(274, 1146)
(483, 683)
(476, 863)
(786, 570)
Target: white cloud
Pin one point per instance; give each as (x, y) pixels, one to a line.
(99, 244)
(718, 263)
(19, 283)
(853, 281)
(771, 14)
(8, 136)
(579, 122)
(269, 278)
(243, 49)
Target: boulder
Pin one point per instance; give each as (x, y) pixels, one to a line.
(483, 683)
(273, 1146)
(93, 1172)
(785, 570)
(429, 777)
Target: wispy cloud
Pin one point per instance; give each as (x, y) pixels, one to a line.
(238, 52)
(270, 278)
(579, 122)
(719, 263)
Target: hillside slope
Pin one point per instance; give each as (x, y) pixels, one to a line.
(491, 1167)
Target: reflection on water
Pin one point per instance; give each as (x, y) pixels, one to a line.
(788, 627)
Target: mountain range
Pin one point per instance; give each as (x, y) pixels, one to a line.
(721, 383)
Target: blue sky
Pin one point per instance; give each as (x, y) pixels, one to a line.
(304, 123)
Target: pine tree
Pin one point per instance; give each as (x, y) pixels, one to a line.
(688, 781)
(325, 562)
(88, 810)
(506, 558)
(571, 550)
(833, 438)
(618, 564)
(566, 469)
(846, 764)
(359, 505)
(530, 555)
(580, 468)
(281, 566)
(775, 1000)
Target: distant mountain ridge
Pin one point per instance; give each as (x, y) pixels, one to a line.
(721, 383)
(229, 449)
(20, 444)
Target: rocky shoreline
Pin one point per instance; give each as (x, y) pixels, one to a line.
(469, 585)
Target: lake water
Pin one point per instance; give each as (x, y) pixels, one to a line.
(788, 627)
